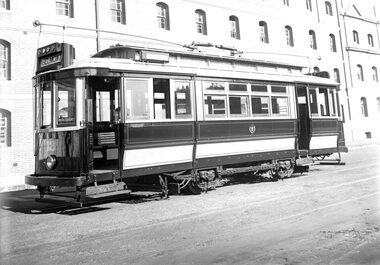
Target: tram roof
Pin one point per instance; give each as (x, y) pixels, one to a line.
(190, 64)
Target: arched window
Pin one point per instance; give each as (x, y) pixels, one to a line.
(235, 29)
(332, 43)
(289, 36)
(356, 36)
(163, 16)
(286, 2)
(263, 27)
(118, 11)
(308, 5)
(316, 69)
(5, 60)
(359, 69)
(363, 105)
(370, 40)
(378, 104)
(336, 75)
(5, 127)
(200, 21)
(328, 7)
(313, 40)
(375, 76)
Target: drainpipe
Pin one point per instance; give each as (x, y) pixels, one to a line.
(97, 25)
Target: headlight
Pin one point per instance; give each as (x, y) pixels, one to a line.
(51, 162)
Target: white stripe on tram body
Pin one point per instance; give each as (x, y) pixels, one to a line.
(321, 142)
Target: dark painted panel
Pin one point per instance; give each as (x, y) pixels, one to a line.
(67, 146)
(250, 129)
(324, 126)
(149, 133)
(156, 170)
(325, 151)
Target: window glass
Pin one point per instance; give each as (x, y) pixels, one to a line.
(136, 99)
(182, 97)
(280, 106)
(239, 106)
(259, 88)
(237, 87)
(103, 106)
(333, 106)
(63, 7)
(219, 86)
(323, 100)
(278, 89)
(260, 105)
(66, 109)
(45, 105)
(215, 106)
(3, 129)
(117, 11)
(313, 101)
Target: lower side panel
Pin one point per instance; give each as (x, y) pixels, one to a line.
(323, 144)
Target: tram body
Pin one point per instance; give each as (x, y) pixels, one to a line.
(129, 114)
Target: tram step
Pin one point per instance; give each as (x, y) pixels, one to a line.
(306, 161)
(109, 194)
(105, 188)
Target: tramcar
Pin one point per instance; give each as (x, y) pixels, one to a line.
(132, 116)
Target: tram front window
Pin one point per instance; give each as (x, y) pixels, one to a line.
(66, 111)
(45, 105)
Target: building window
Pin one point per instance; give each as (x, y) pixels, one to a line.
(5, 128)
(313, 40)
(4, 4)
(286, 2)
(363, 105)
(263, 32)
(332, 43)
(200, 21)
(360, 72)
(163, 16)
(308, 5)
(316, 69)
(64, 8)
(328, 7)
(235, 30)
(356, 36)
(370, 40)
(289, 36)
(336, 75)
(375, 76)
(378, 104)
(5, 60)
(118, 11)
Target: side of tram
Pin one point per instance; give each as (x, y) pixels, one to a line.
(112, 124)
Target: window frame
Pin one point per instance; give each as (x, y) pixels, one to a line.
(201, 21)
(309, 5)
(6, 5)
(6, 126)
(163, 16)
(234, 27)
(263, 29)
(375, 75)
(312, 40)
(328, 7)
(68, 5)
(289, 36)
(355, 35)
(118, 10)
(370, 40)
(360, 73)
(7, 60)
(332, 42)
(364, 107)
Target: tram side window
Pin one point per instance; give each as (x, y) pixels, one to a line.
(137, 104)
(182, 100)
(280, 106)
(313, 102)
(239, 106)
(66, 103)
(260, 106)
(333, 107)
(215, 106)
(45, 105)
(323, 100)
(161, 98)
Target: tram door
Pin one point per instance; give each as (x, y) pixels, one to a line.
(105, 142)
(304, 130)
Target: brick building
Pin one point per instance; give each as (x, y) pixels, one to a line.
(318, 35)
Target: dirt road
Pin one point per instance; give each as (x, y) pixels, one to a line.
(330, 215)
